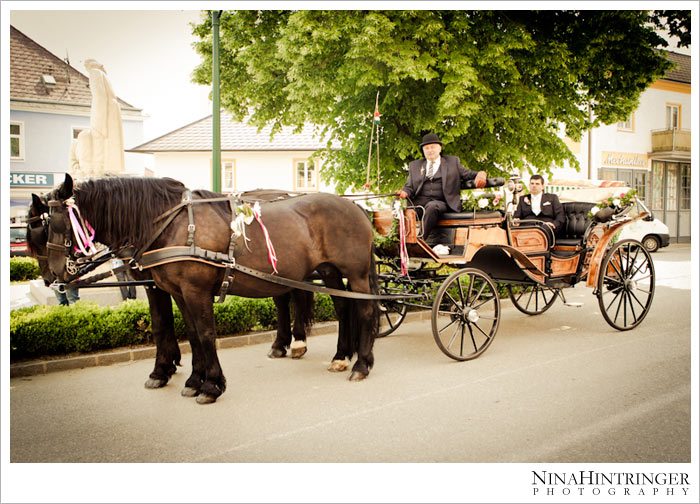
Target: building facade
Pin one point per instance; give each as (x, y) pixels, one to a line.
(249, 159)
(650, 151)
(49, 105)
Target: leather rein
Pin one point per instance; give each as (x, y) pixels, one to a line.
(144, 258)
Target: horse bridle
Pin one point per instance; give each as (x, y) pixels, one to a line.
(66, 234)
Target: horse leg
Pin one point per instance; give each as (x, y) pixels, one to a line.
(200, 305)
(167, 350)
(333, 279)
(196, 378)
(365, 317)
(303, 318)
(284, 336)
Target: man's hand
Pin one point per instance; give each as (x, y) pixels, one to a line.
(401, 194)
(550, 225)
(480, 180)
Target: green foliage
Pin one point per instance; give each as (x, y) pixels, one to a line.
(496, 86)
(388, 241)
(23, 268)
(84, 326)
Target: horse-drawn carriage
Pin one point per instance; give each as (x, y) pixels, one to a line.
(192, 256)
(495, 254)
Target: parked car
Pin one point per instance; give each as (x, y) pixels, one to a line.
(18, 240)
(650, 231)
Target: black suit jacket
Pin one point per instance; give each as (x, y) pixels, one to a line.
(552, 210)
(451, 171)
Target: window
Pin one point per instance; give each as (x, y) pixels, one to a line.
(636, 179)
(673, 116)
(626, 125)
(685, 186)
(17, 140)
(657, 197)
(306, 175)
(228, 175)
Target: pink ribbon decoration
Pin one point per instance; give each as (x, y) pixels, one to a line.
(81, 229)
(271, 256)
(403, 251)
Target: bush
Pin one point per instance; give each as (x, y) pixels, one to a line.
(23, 268)
(84, 326)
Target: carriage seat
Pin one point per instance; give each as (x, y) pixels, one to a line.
(461, 219)
(577, 222)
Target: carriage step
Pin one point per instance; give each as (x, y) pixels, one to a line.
(575, 304)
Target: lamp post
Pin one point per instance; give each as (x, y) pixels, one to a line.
(216, 112)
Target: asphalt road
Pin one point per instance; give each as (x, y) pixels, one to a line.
(559, 387)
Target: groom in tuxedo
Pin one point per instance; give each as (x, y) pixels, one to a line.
(541, 206)
(434, 182)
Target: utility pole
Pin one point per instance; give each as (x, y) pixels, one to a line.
(216, 113)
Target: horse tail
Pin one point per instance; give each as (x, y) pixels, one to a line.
(374, 286)
(364, 315)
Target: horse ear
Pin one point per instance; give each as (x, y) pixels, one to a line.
(37, 204)
(66, 189)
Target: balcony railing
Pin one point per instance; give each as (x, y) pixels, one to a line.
(670, 140)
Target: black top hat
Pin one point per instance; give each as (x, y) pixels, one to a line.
(430, 138)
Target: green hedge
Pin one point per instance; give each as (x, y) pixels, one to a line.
(85, 326)
(23, 268)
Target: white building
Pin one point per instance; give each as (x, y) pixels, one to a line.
(249, 160)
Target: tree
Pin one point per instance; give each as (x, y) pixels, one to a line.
(496, 86)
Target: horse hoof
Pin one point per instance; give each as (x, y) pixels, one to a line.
(298, 348)
(205, 399)
(357, 376)
(189, 392)
(153, 383)
(276, 353)
(338, 366)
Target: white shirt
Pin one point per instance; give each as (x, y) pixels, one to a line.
(435, 168)
(536, 203)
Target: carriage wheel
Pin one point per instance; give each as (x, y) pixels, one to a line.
(391, 313)
(626, 284)
(466, 312)
(533, 299)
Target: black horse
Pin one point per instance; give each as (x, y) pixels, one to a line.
(319, 232)
(160, 306)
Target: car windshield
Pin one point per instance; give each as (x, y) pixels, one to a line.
(18, 234)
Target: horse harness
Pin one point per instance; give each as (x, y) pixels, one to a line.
(144, 258)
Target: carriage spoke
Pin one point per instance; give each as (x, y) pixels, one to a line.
(454, 334)
(487, 300)
(471, 333)
(449, 324)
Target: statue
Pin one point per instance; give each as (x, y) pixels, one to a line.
(99, 150)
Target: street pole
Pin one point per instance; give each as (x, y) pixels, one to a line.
(216, 112)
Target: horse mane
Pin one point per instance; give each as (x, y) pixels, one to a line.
(122, 209)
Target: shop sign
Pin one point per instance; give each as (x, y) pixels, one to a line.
(21, 179)
(625, 159)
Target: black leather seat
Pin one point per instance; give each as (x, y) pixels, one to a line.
(577, 222)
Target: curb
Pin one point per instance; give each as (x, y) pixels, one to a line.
(44, 366)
